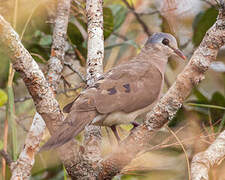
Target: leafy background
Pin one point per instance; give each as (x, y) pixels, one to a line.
(196, 124)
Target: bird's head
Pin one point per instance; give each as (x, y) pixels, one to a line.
(165, 43)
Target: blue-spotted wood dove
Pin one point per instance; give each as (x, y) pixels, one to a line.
(122, 94)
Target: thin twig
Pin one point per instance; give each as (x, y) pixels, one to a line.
(29, 18)
(83, 60)
(148, 13)
(120, 36)
(39, 56)
(185, 152)
(76, 69)
(142, 23)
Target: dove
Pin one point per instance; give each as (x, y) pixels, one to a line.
(122, 94)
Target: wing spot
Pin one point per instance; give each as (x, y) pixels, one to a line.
(127, 87)
(111, 91)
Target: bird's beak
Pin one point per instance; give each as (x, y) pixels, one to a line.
(178, 52)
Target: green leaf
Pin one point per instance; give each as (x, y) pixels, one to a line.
(217, 100)
(202, 22)
(64, 173)
(74, 35)
(37, 34)
(119, 13)
(76, 38)
(200, 96)
(4, 68)
(40, 51)
(3, 97)
(46, 40)
(108, 22)
(1, 145)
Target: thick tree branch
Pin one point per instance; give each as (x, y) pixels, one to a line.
(94, 68)
(192, 75)
(202, 161)
(95, 40)
(22, 167)
(38, 87)
(55, 64)
(85, 166)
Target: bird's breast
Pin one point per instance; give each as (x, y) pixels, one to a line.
(120, 117)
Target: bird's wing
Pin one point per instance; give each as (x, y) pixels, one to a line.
(74, 123)
(128, 87)
(81, 112)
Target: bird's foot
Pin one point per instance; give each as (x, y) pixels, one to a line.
(135, 124)
(114, 130)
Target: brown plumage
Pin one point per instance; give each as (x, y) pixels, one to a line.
(121, 94)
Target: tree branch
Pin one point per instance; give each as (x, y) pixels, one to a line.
(95, 40)
(191, 76)
(94, 67)
(202, 161)
(33, 77)
(85, 166)
(55, 64)
(22, 167)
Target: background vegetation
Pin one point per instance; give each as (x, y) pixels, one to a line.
(196, 125)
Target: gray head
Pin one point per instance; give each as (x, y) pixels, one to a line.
(165, 43)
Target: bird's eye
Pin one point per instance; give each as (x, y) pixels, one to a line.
(165, 41)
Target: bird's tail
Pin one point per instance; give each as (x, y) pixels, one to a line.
(71, 127)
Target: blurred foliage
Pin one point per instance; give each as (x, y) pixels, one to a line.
(76, 38)
(53, 173)
(1, 145)
(123, 38)
(108, 24)
(119, 14)
(213, 107)
(202, 22)
(3, 97)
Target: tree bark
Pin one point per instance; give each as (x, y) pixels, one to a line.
(212, 156)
